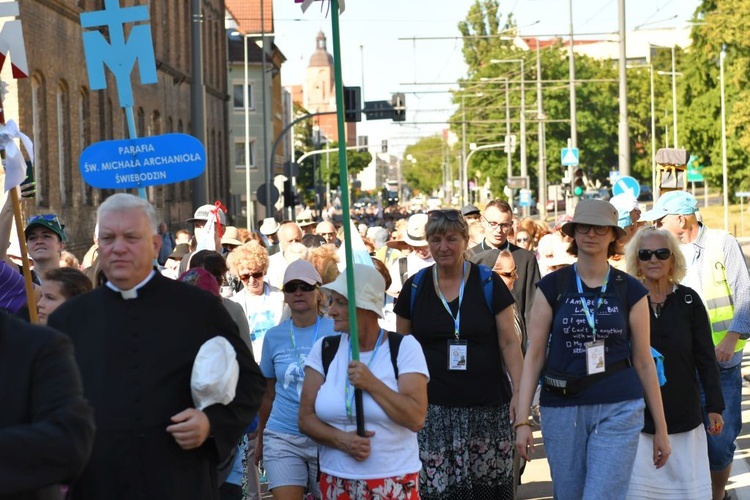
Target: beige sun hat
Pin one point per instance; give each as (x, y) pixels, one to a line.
(370, 288)
(231, 236)
(416, 235)
(305, 218)
(595, 213)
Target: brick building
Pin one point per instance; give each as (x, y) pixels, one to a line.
(55, 107)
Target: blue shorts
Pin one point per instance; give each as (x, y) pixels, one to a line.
(721, 448)
(290, 460)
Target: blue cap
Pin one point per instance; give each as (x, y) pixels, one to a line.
(623, 218)
(673, 202)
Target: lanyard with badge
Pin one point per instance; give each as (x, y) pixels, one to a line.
(348, 392)
(457, 348)
(595, 348)
(300, 359)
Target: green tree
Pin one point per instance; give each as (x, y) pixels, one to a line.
(722, 23)
(425, 173)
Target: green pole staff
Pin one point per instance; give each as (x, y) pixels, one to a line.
(344, 182)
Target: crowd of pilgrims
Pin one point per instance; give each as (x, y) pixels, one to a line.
(604, 330)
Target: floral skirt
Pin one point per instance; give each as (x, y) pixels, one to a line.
(467, 453)
(404, 487)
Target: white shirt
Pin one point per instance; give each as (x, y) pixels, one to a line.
(394, 448)
(414, 264)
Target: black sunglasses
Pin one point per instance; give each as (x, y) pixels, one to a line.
(585, 228)
(293, 286)
(449, 213)
(661, 254)
(257, 276)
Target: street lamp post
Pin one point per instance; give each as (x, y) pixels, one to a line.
(248, 191)
(650, 67)
(524, 166)
(724, 172)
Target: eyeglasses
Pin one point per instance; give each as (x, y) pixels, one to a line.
(585, 228)
(505, 226)
(522, 240)
(661, 254)
(293, 286)
(449, 213)
(41, 217)
(510, 275)
(256, 276)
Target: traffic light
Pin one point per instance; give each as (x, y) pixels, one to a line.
(384, 146)
(577, 184)
(352, 104)
(290, 198)
(398, 101)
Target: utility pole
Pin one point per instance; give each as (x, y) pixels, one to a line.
(461, 171)
(572, 76)
(268, 163)
(623, 133)
(198, 98)
(542, 175)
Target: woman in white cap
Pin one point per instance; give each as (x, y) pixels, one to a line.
(290, 458)
(462, 315)
(392, 374)
(588, 339)
(680, 331)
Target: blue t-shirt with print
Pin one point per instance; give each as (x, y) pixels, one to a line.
(570, 331)
(284, 360)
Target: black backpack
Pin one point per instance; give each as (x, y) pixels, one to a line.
(331, 346)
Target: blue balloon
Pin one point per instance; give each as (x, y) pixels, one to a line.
(148, 161)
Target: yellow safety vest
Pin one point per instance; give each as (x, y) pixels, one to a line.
(716, 293)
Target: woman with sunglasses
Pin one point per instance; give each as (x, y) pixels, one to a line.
(290, 457)
(588, 339)
(263, 304)
(464, 322)
(680, 331)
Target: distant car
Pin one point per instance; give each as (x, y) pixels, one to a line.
(560, 205)
(646, 193)
(433, 203)
(363, 202)
(596, 194)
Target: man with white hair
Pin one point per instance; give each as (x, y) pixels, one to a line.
(135, 341)
(289, 232)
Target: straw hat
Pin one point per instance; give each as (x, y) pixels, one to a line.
(416, 235)
(231, 236)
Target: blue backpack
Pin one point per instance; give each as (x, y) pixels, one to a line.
(485, 275)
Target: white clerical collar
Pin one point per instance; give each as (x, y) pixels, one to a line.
(133, 292)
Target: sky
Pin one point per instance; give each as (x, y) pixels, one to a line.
(414, 47)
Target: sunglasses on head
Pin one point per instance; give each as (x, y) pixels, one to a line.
(510, 274)
(661, 254)
(293, 286)
(41, 217)
(448, 213)
(246, 277)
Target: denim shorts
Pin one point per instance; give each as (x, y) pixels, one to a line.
(591, 448)
(721, 448)
(290, 460)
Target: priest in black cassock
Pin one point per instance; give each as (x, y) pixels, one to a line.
(136, 338)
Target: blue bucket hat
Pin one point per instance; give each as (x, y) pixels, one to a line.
(673, 202)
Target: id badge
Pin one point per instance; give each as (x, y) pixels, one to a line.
(457, 354)
(595, 357)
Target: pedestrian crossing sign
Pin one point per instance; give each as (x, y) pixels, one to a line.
(569, 157)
